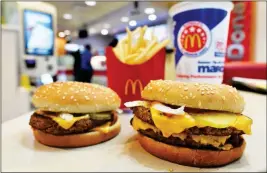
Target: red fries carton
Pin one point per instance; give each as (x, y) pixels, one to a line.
(129, 80)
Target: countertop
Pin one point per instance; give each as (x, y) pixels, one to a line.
(20, 152)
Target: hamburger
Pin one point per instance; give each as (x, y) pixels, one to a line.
(74, 114)
(191, 124)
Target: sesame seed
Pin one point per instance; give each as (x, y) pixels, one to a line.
(212, 92)
(170, 170)
(185, 88)
(223, 97)
(190, 94)
(202, 93)
(71, 97)
(94, 97)
(208, 92)
(186, 97)
(75, 100)
(199, 104)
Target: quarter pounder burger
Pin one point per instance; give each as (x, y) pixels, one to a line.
(74, 114)
(191, 124)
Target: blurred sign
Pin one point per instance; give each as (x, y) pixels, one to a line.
(241, 32)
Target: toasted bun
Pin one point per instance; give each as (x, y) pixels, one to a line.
(75, 97)
(191, 157)
(195, 95)
(77, 140)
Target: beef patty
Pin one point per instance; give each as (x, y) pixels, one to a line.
(145, 115)
(234, 140)
(47, 125)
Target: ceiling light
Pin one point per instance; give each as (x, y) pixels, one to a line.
(132, 23)
(104, 32)
(90, 3)
(152, 17)
(149, 10)
(106, 25)
(67, 16)
(124, 19)
(67, 32)
(61, 34)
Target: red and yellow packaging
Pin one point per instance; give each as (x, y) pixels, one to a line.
(128, 80)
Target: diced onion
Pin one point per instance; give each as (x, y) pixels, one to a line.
(162, 108)
(67, 117)
(137, 103)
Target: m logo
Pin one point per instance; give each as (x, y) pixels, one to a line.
(192, 39)
(133, 85)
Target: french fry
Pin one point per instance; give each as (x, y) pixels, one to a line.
(129, 58)
(129, 44)
(133, 33)
(155, 49)
(143, 54)
(121, 49)
(143, 43)
(125, 48)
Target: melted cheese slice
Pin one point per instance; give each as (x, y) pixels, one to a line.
(103, 128)
(216, 141)
(139, 124)
(178, 123)
(66, 123)
(173, 124)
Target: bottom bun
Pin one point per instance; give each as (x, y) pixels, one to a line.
(77, 140)
(191, 157)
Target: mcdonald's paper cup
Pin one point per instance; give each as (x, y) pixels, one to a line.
(200, 38)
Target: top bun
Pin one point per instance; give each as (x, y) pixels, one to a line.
(195, 95)
(75, 97)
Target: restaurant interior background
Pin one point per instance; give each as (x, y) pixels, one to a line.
(74, 24)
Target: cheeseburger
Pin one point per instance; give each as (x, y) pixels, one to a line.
(191, 124)
(74, 114)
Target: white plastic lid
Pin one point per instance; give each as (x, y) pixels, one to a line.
(185, 6)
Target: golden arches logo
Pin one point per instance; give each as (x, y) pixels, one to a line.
(134, 85)
(192, 39)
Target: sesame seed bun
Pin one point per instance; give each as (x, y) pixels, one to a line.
(195, 95)
(191, 157)
(77, 140)
(75, 97)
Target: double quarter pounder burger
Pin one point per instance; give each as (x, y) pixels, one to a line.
(74, 114)
(191, 124)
